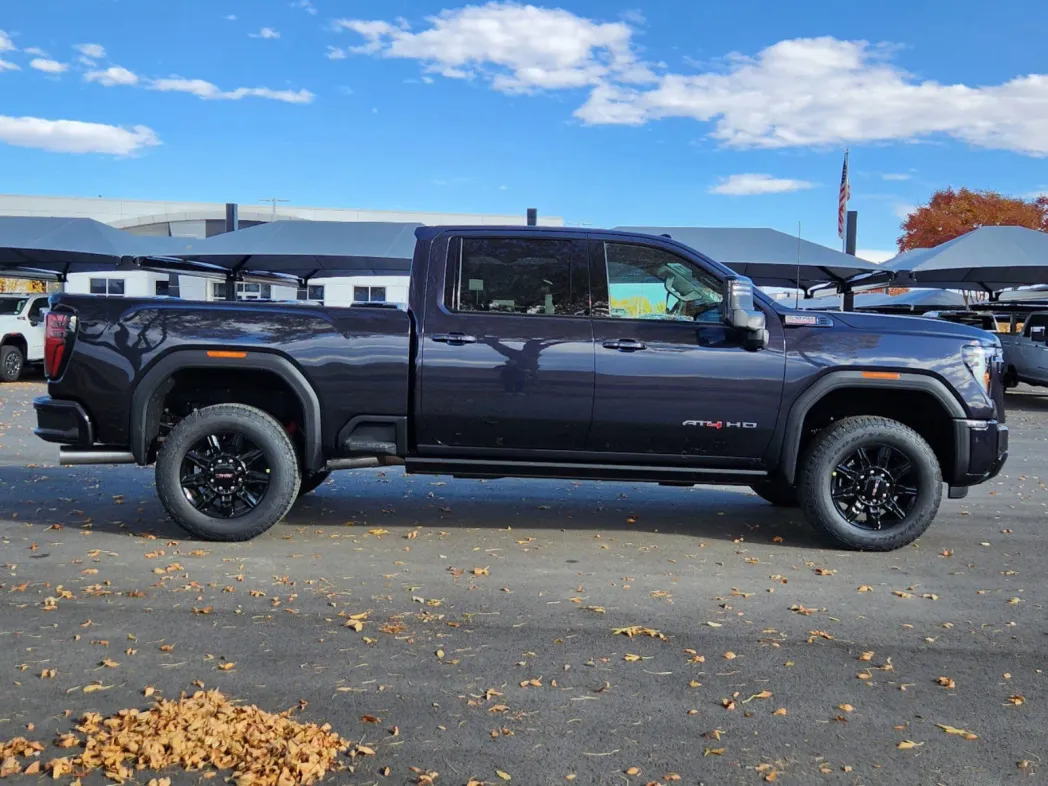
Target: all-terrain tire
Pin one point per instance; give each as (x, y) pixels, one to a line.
(833, 445)
(12, 363)
(778, 492)
(261, 429)
(312, 480)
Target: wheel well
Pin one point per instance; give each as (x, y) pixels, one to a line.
(190, 389)
(15, 340)
(917, 409)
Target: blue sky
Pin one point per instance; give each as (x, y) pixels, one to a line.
(669, 112)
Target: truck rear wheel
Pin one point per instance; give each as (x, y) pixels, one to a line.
(227, 473)
(870, 483)
(12, 361)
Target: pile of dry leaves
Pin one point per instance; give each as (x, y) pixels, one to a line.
(198, 731)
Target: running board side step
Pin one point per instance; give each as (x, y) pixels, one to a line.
(364, 463)
(75, 457)
(491, 468)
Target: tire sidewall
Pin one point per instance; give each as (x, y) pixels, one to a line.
(268, 436)
(5, 353)
(818, 501)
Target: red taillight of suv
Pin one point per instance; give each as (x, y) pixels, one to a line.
(57, 331)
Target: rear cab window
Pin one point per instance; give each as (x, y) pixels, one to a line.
(517, 276)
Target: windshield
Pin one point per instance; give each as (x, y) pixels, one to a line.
(9, 306)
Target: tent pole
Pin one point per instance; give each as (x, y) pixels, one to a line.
(850, 233)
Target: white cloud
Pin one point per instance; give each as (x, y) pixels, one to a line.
(48, 66)
(903, 210)
(114, 75)
(35, 50)
(230, 17)
(208, 91)
(7, 65)
(517, 48)
(305, 5)
(749, 184)
(875, 255)
(6, 44)
(334, 53)
(93, 51)
(896, 176)
(74, 136)
(807, 92)
(266, 32)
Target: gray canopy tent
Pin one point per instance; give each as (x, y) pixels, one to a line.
(988, 259)
(915, 301)
(52, 248)
(307, 249)
(769, 257)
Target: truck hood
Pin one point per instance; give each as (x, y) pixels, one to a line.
(890, 323)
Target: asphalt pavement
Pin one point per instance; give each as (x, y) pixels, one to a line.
(487, 615)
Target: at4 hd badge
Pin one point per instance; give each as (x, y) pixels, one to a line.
(719, 424)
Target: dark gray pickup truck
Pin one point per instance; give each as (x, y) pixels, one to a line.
(564, 353)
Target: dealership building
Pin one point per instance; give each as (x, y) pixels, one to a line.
(204, 219)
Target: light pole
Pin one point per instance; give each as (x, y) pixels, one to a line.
(273, 201)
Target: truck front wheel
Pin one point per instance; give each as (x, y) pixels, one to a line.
(227, 473)
(12, 361)
(870, 483)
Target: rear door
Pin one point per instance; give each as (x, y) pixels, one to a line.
(1034, 352)
(507, 347)
(671, 379)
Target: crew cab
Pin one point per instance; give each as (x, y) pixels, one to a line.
(21, 333)
(532, 352)
(1026, 353)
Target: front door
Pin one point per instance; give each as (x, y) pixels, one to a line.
(671, 379)
(34, 333)
(507, 349)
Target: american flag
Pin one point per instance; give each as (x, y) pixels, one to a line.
(845, 195)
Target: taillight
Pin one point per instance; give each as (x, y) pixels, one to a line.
(57, 330)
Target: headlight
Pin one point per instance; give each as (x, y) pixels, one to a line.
(978, 360)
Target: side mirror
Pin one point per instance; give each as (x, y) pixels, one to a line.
(34, 321)
(738, 311)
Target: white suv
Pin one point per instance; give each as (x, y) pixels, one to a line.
(21, 333)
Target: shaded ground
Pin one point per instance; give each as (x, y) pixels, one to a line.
(472, 588)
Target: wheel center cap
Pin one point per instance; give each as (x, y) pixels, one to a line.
(876, 487)
(226, 475)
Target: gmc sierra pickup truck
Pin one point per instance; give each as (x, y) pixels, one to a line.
(532, 352)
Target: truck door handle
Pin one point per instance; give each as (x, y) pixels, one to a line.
(456, 339)
(625, 345)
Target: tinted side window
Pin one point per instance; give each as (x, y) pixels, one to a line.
(1037, 320)
(515, 276)
(648, 283)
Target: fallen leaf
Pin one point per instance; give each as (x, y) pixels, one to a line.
(865, 588)
(906, 745)
(780, 712)
(1017, 700)
(946, 682)
(504, 775)
(868, 655)
(633, 771)
(714, 751)
(846, 707)
(959, 732)
(729, 655)
(636, 630)
(764, 694)
(227, 666)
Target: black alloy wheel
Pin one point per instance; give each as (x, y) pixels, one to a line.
(224, 475)
(227, 472)
(874, 487)
(869, 483)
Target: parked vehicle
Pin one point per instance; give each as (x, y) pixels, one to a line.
(21, 333)
(1026, 353)
(532, 352)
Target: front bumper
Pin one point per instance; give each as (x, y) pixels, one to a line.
(981, 448)
(63, 422)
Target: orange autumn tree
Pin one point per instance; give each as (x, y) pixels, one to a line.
(950, 214)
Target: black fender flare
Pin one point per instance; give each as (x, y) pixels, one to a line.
(835, 380)
(182, 359)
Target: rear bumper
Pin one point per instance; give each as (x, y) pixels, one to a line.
(63, 422)
(981, 448)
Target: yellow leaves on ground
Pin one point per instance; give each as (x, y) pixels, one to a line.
(946, 682)
(729, 655)
(865, 588)
(901, 594)
(1017, 700)
(356, 621)
(868, 655)
(906, 745)
(109, 663)
(633, 771)
(823, 571)
(845, 707)
(764, 694)
(533, 683)
(504, 775)
(781, 712)
(481, 572)
(637, 630)
(227, 666)
(207, 729)
(48, 674)
(958, 732)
